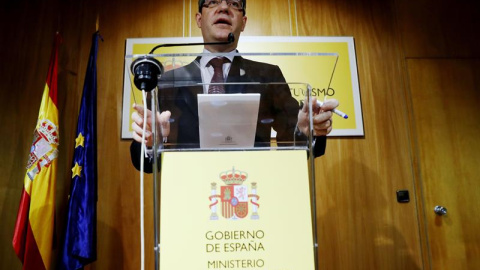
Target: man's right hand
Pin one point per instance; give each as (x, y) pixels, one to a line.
(163, 124)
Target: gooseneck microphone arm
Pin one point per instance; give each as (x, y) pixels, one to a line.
(230, 39)
(147, 69)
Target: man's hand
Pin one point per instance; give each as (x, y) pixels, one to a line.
(163, 124)
(322, 117)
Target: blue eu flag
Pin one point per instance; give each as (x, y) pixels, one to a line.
(79, 248)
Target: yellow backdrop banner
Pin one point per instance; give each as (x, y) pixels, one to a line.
(328, 79)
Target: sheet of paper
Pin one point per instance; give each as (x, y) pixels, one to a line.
(227, 120)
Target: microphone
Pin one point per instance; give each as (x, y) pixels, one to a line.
(146, 69)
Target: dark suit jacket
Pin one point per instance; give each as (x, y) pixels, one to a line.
(278, 109)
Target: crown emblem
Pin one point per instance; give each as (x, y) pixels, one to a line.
(49, 131)
(233, 177)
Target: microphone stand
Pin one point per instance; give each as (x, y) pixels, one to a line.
(156, 184)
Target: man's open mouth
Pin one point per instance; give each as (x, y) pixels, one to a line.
(223, 21)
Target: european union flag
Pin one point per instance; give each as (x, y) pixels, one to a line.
(79, 248)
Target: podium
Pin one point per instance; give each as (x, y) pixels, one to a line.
(234, 180)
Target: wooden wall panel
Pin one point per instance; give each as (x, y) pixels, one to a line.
(361, 225)
(26, 62)
(264, 18)
(26, 45)
(438, 39)
(440, 28)
(445, 96)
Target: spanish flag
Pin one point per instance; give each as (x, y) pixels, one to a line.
(33, 235)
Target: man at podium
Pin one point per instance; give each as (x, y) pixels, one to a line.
(218, 19)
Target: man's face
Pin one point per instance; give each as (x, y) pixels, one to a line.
(216, 23)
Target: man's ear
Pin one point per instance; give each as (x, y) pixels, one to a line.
(198, 19)
(244, 22)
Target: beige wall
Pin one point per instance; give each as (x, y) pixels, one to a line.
(361, 226)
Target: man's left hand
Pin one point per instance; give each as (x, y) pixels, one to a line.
(322, 117)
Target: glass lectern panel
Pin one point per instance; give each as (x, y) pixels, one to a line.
(256, 89)
(264, 103)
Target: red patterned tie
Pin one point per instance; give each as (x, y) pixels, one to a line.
(217, 64)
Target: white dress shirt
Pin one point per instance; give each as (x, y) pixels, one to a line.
(207, 70)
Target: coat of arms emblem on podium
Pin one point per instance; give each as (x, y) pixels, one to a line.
(234, 197)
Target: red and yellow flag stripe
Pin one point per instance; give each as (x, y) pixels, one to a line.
(33, 235)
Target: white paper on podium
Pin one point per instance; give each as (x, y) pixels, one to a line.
(227, 120)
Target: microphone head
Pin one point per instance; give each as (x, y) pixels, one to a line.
(231, 38)
(146, 70)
